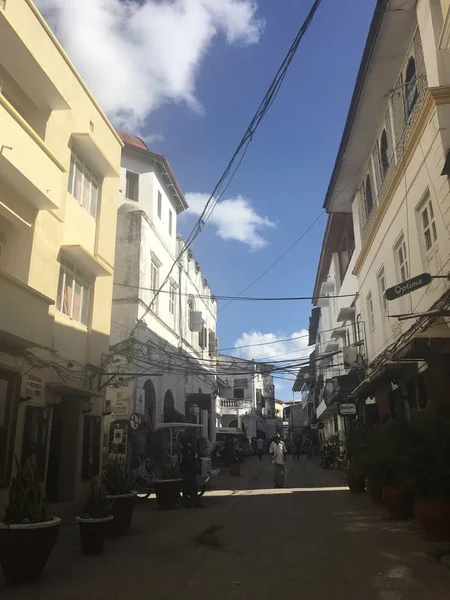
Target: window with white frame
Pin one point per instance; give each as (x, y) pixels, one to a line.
(370, 315)
(83, 185)
(170, 223)
(132, 188)
(154, 283)
(411, 91)
(74, 291)
(159, 204)
(428, 225)
(381, 279)
(401, 259)
(172, 295)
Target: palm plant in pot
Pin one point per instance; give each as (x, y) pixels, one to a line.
(95, 519)
(355, 448)
(168, 485)
(27, 533)
(430, 468)
(117, 483)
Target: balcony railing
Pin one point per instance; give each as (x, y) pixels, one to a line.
(235, 403)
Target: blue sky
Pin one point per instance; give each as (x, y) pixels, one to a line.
(188, 75)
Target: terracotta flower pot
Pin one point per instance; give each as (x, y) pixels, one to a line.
(93, 534)
(25, 549)
(375, 490)
(433, 515)
(399, 503)
(122, 511)
(167, 492)
(356, 484)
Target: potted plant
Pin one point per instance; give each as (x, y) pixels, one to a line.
(430, 467)
(117, 484)
(168, 485)
(27, 533)
(355, 445)
(95, 519)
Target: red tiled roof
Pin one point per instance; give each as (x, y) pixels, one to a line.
(132, 140)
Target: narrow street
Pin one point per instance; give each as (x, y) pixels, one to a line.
(312, 539)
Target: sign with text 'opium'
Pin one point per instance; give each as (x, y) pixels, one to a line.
(408, 286)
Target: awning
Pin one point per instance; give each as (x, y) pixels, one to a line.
(86, 261)
(65, 388)
(399, 372)
(436, 338)
(85, 144)
(203, 401)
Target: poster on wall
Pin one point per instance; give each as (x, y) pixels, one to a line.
(121, 405)
(139, 405)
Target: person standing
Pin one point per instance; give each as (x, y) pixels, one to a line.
(188, 471)
(297, 448)
(309, 448)
(260, 447)
(278, 453)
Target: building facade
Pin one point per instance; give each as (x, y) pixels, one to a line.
(246, 396)
(392, 177)
(170, 337)
(59, 176)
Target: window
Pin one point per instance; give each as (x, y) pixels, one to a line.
(428, 225)
(159, 204)
(73, 293)
(411, 91)
(370, 315)
(238, 393)
(170, 222)
(83, 185)
(154, 284)
(381, 277)
(402, 259)
(172, 292)
(368, 198)
(132, 189)
(203, 337)
(384, 158)
(240, 383)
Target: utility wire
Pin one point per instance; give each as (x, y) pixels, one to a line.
(262, 110)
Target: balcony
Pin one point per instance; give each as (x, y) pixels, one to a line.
(26, 163)
(25, 321)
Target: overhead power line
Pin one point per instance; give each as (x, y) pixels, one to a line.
(228, 173)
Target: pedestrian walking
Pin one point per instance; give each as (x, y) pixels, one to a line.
(297, 448)
(188, 471)
(278, 453)
(309, 449)
(260, 447)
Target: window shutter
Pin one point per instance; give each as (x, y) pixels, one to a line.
(195, 321)
(211, 342)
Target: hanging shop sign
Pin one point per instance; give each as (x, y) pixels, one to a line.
(135, 421)
(346, 409)
(121, 405)
(320, 424)
(139, 404)
(408, 286)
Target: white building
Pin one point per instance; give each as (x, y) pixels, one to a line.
(392, 177)
(246, 395)
(170, 337)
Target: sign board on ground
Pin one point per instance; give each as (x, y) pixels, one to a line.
(410, 285)
(346, 409)
(320, 424)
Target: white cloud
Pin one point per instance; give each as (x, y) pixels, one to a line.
(294, 348)
(138, 54)
(234, 218)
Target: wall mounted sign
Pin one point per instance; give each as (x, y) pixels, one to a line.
(320, 424)
(346, 409)
(410, 285)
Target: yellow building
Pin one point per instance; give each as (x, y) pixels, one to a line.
(59, 166)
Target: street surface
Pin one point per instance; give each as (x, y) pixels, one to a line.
(311, 540)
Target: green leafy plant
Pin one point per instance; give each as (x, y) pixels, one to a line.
(169, 471)
(97, 505)
(115, 477)
(26, 499)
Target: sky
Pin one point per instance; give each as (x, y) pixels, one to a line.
(187, 76)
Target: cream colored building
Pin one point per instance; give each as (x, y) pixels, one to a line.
(59, 167)
(392, 175)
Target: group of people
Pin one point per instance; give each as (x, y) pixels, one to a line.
(301, 446)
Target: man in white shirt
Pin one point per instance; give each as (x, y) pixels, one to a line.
(278, 453)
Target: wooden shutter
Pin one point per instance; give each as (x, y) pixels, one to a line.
(211, 342)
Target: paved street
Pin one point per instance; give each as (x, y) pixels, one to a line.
(310, 540)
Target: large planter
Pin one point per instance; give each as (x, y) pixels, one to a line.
(122, 511)
(93, 534)
(399, 503)
(433, 515)
(356, 484)
(25, 549)
(167, 492)
(375, 490)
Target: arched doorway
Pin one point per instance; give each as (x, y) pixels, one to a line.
(150, 403)
(169, 407)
